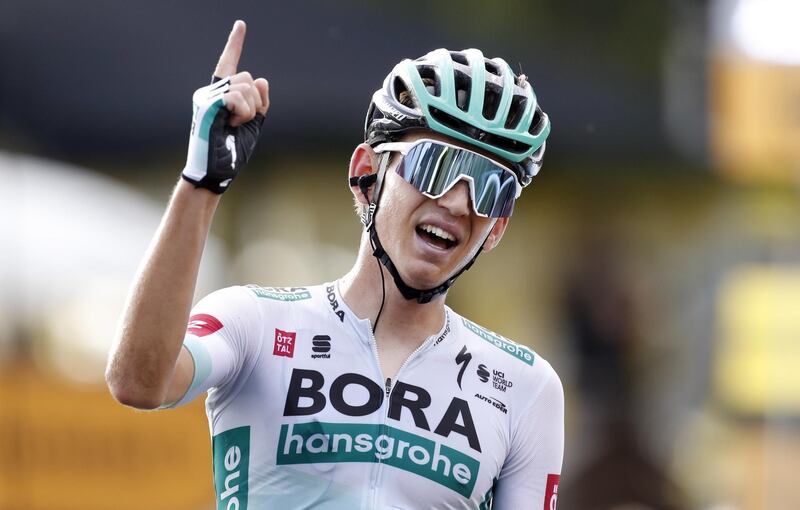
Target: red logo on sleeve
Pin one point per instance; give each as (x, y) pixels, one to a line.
(551, 494)
(284, 343)
(202, 325)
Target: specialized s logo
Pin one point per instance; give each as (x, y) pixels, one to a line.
(284, 343)
(462, 357)
(551, 492)
(203, 324)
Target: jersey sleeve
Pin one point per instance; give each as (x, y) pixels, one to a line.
(222, 338)
(530, 476)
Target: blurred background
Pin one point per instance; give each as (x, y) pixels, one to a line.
(655, 261)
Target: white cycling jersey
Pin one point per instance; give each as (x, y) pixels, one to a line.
(301, 417)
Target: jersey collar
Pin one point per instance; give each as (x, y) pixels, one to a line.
(363, 327)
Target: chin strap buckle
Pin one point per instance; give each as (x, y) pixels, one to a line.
(364, 182)
(368, 215)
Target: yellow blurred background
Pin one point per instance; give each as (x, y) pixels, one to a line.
(655, 261)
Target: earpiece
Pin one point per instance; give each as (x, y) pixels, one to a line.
(364, 182)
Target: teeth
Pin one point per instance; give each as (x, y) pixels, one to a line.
(438, 232)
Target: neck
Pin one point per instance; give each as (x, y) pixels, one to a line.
(400, 317)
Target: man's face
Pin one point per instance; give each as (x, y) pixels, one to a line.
(430, 239)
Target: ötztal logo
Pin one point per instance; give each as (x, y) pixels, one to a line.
(203, 324)
(284, 343)
(551, 492)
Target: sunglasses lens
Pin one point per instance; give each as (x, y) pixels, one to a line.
(433, 168)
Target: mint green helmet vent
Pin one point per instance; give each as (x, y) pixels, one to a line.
(468, 97)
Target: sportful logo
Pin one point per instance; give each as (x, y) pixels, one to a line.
(316, 442)
(284, 343)
(281, 293)
(321, 345)
(202, 324)
(231, 452)
(518, 351)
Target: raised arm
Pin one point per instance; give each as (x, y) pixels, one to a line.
(147, 366)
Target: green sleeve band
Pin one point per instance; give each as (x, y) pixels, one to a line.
(202, 369)
(202, 363)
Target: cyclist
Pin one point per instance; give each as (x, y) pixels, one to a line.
(359, 393)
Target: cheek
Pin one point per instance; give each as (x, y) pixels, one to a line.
(497, 229)
(401, 198)
(481, 227)
(394, 215)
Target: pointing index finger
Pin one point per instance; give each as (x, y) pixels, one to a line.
(229, 60)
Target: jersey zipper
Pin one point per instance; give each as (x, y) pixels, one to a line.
(381, 426)
(411, 356)
(384, 428)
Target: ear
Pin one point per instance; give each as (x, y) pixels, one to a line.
(498, 229)
(362, 162)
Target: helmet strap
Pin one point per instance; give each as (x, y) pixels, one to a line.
(368, 219)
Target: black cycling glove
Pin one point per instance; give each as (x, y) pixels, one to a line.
(217, 151)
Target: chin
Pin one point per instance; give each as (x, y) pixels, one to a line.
(425, 276)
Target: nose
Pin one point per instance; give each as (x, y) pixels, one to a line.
(456, 200)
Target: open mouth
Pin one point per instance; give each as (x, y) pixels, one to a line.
(436, 236)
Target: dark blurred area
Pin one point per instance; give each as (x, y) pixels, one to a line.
(93, 78)
(655, 261)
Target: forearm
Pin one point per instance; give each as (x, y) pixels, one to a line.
(151, 330)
